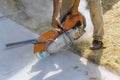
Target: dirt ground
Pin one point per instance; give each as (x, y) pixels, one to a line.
(110, 55)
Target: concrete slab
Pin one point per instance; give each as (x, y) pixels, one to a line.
(20, 64)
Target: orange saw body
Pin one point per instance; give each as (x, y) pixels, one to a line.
(49, 36)
(52, 41)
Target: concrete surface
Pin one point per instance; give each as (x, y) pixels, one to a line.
(20, 64)
(35, 14)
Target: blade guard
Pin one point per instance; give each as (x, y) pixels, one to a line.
(51, 35)
(48, 37)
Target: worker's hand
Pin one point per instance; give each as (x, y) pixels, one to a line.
(74, 9)
(56, 23)
(74, 12)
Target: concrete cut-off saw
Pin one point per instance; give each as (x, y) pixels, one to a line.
(51, 41)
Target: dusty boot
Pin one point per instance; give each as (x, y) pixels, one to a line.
(96, 45)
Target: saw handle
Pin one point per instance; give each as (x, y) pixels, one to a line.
(33, 41)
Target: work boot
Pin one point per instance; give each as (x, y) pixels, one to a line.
(96, 45)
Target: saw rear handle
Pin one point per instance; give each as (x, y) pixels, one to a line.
(31, 41)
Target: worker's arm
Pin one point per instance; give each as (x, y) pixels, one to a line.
(74, 9)
(56, 9)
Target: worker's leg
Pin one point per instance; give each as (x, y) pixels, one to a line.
(97, 19)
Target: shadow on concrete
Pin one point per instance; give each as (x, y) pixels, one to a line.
(65, 66)
(95, 56)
